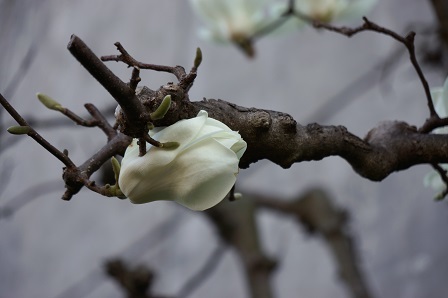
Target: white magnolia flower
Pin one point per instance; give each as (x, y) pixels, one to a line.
(198, 174)
(234, 21)
(440, 99)
(334, 10)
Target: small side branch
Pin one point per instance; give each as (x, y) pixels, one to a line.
(101, 121)
(443, 175)
(119, 90)
(235, 223)
(35, 135)
(407, 41)
(124, 57)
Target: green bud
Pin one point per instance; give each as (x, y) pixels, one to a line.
(116, 167)
(162, 109)
(198, 58)
(49, 102)
(170, 145)
(19, 130)
(113, 191)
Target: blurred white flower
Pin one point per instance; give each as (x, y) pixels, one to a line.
(334, 10)
(198, 174)
(440, 100)
(235, 21)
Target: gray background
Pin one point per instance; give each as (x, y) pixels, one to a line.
(50, 245)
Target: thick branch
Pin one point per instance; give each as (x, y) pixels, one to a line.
(235, 222)
(389, 147)
(120, 91)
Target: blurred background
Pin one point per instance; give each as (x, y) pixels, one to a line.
(54, 248)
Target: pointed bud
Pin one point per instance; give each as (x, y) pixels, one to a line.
(19, 130)
(162, 109)
(198, 58)
(116, 167)
(170, 145)
(49, 102)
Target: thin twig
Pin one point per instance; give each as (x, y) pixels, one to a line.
(407, 41)
(135, 79)
(34, 135)
(443, 175)
(353, 91)
(120, 91)
(153, 142)
(124, 57)
(101, 121)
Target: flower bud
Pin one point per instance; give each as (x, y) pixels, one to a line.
(197, 174)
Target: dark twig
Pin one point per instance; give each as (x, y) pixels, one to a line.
(135, 79)
(443, 175)
(101, 121)
(232, 194)
(119, 90)
(34, 135)
(153, 142)
(52, 123)
(187, 81)
(432, 123)
(236, 226)
(141, 146)
(124, 57)
(407, 41)
(354, 90)
(77, 119)
(98, 119)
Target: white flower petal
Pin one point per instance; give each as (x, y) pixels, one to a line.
(196, 179)
(198, 174)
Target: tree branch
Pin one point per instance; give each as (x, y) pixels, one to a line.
(316, 212)
(119, 90)
(34, 135)
(235, 223)
(391, 146)
(124, 57)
